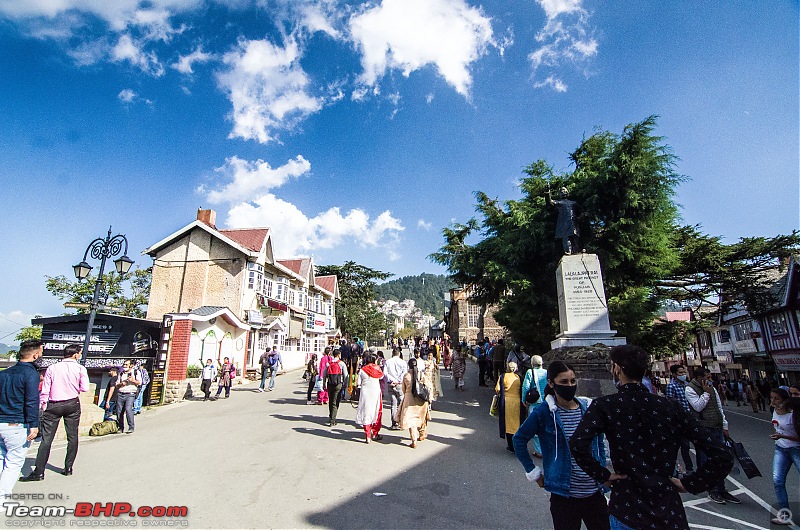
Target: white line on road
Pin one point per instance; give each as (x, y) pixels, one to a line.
(732, 519)
(704, 527)
(746, 416)
(764, 504)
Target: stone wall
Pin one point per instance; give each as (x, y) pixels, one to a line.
(175, 391)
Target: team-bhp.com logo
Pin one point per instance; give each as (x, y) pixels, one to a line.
(96, 509)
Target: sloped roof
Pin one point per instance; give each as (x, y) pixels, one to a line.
(250, 238)
(207, 310)
(153, 249)
(299, 266)
(327, 283)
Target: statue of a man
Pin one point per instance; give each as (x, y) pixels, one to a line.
(567, 223)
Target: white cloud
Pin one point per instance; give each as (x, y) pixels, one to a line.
(553, 8)
(127, 95)
(424, 224)
(267, 87)
(408, 35)
(302, 234)
(319, 16)
(117, 13)
(185, 62)
(248, 179)
(128, 49)
(552, 82)
(565, 39)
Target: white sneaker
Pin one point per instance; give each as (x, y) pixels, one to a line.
(260, 389)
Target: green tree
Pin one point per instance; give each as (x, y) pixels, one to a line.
(127, 294)
(624, 185)
(29, 333)
(354, 310)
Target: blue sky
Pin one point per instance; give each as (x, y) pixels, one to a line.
(358, 130)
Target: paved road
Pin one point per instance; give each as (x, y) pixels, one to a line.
(261, 460)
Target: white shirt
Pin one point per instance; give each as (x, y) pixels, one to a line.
(783, 425)
(395, 369)
(699, 403)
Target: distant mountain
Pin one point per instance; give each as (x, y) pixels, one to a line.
(427, 291)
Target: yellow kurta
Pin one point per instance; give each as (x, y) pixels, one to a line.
(513, 400)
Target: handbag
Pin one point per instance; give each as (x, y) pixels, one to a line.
(494, 410)
(533, 396)
(745, 461)
(422, 392)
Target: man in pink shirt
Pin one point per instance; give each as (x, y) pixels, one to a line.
(63, 383)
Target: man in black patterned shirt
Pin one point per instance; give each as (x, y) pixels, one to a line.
(644, 433)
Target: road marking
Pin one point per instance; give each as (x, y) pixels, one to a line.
(703, 527)
(741, 488)
(764, 504)
(747, 416)
(732, 519)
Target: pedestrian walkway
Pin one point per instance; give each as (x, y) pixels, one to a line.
(261, 460)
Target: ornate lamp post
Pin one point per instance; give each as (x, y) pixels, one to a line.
(101, 249)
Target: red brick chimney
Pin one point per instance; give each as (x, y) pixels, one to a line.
(208, 217)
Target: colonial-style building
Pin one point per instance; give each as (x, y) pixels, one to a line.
(467, 321)
(781, 323)
(223, 293)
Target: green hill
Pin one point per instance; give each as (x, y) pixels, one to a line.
(427, 291)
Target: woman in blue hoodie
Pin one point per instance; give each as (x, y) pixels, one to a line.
(575, 497)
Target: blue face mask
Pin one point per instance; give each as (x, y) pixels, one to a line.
(683, 378)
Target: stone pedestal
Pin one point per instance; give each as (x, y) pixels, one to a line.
(582, 309)
(591, 367)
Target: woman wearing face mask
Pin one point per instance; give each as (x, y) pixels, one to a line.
(575, 498)
(787, 447)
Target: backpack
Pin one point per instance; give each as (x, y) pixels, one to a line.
(264, 361)
(104, 427)
(334, 374)
(273, 361)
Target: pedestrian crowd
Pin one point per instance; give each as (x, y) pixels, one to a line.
(366, 377)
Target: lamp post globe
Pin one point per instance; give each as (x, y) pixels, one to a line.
(123, 264)
(82, 270)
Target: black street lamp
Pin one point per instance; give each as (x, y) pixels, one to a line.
(101, 249)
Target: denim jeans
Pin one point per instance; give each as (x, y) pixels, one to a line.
(783, 460)
(137, 403)
(13, 448)
(396, 393)
(272, 373)
(264, 374)
(125, 410)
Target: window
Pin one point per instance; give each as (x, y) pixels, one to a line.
(254, 275)
(473, 315)
(742, 331)
(318, 304)
(263, 341)
(267, 287)
(723, 335)
(777, 324)
(281, 287)
(702, 338)
(291, 296)
(330, 309)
